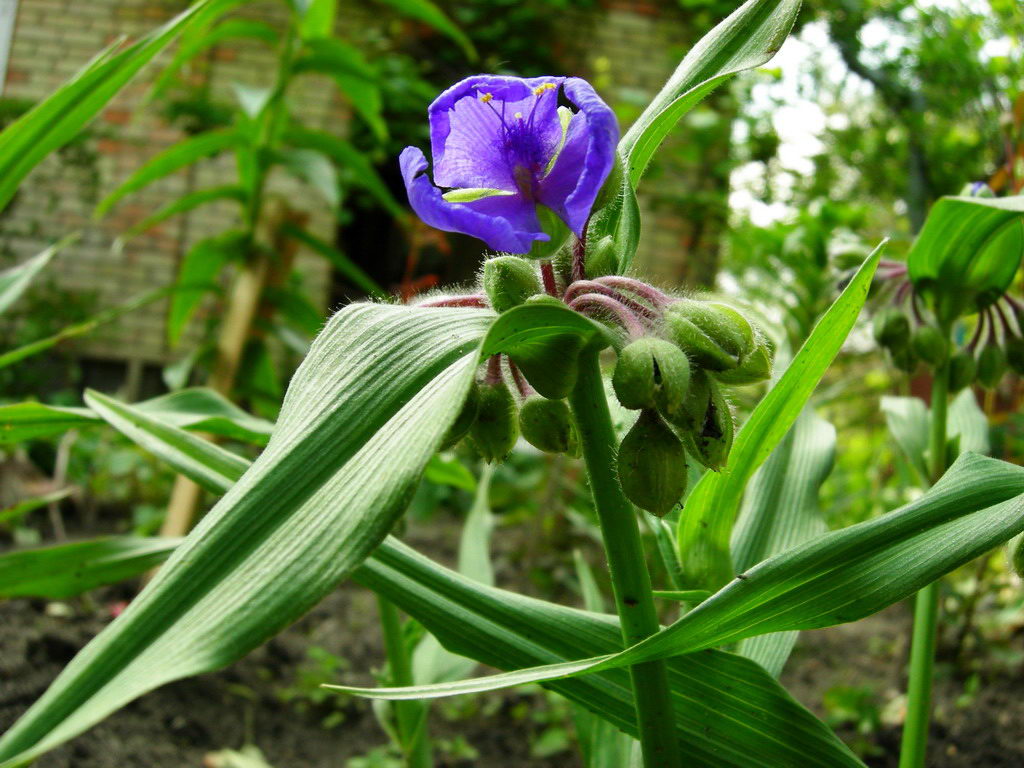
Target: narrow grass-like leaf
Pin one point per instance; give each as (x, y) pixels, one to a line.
(184, 204)
(19, 510)
(429, 13)
(16, 280)
(181, 155)
(66, 570)
(354, 76)
(838, 577)
(748, 38)
(28, 421)
(197, 277)
(143, 428)
(728, 711)
(711, 508)
(59, 118)
(780, 511)
(363, 414)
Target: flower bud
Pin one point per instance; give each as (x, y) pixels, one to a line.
(991, 366)
(714, 335)
(548, 425)
(904, 357)
(690, 416)
(464, 421)
(1015, 354)
(496, 428)
(711, 442)
(757, 366)
(651, 373)
(551, 366)
(602, 258)
(652, 465)
(509, 281)
(930, 344)
(891, 328)
(961, 371)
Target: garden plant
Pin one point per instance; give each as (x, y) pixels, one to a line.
(559, 343)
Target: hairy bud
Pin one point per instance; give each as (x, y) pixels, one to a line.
(602, 258)
(756, 366)
(892, 328)
(904, 358)
(651, 373)
(711, 441)
(464, 421)
(496, 428)
(548, 425)
(991, 366)
(715, 336)
(930, 344)
(509, 281)
(551, 367)
(961, 370)
(652, 465)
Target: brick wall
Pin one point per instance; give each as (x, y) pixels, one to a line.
(627, 48)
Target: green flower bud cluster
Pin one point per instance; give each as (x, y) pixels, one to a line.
(676, 384)
(494, 416)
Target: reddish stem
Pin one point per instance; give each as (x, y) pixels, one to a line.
(525, 390)
(547, 274)
(581, 287)
(493, 375)
(473, 300)
(579, 267)
(606, 305)
(658, 298)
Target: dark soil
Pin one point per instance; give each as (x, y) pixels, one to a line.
(270, 698)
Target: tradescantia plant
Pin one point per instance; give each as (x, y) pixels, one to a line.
(384, 387)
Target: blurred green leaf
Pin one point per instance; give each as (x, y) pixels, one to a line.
(430, 14)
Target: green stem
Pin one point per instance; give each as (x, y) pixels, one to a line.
(926, 605)
(410, 716)
(630, 579)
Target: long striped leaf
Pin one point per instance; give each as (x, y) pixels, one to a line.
(363, 414)
(711, 508)
(780, 511)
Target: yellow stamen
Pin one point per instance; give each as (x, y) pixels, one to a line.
(486, 97)
(545, 87)
(518, 115)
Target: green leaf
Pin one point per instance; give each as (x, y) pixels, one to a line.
(143, 428)
(339, 260)
(184, 204)
(748, 38)
(909, 422)
(67, 570)
(430, 14)
(197, 276)
(839, 577)
(346, 156)
(59, 118)
(780, 511)
(199, 40)
(728, 711)
(318, 19)
(16, 280)
(362, 416)
(711, 508)
(22, 508)
(968, 252)
(198, 409)
(172, 159)
(354, 76)
(315, 169)
(448, 470)
(79, 329)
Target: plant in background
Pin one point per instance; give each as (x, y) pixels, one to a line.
(385, 386)
(957, 273)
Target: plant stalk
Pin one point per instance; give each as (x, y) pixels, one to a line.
(410, 716)
(914, 747)
(630, 579)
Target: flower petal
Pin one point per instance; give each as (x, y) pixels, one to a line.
(467, 135)
(506, 223)
(586, 159)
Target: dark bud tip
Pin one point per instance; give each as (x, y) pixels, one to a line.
(929, 343)
(891, 328)
(651, 373)
(991, 366)
(961, 371)
(710, 442)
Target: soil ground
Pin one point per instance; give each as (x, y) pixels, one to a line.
(270, 698)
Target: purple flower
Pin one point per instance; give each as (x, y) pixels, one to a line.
(503, 145)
